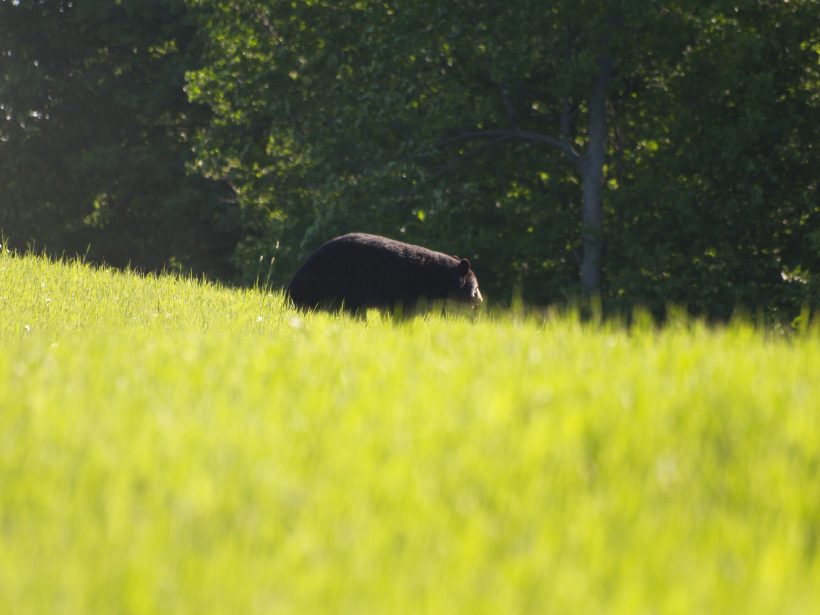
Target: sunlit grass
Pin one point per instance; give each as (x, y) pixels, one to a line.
(170, 446)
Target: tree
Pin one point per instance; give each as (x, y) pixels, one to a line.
(378, 92)
(718, 209)
(454, 123)
(93, 136)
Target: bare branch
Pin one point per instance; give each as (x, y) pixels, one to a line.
(263, 19)
(520, 135)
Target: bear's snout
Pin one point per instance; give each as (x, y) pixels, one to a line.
(476, 297)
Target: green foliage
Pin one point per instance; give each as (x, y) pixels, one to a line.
(333, 117)
(337, 116)
(725, 201)
(172, 446)
(202, 134)
(93, 130)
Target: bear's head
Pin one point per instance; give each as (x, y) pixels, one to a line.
(467, 284)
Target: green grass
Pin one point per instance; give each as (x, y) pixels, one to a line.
(169, 446)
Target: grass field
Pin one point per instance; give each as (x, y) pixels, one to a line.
(169, 446)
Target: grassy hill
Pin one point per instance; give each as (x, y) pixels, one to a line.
(169, 446)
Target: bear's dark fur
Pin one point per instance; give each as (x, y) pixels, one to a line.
(357, 271)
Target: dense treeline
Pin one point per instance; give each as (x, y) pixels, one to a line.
(94, 136)
(652, 153)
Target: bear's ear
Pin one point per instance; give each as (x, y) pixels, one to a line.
(463, 266)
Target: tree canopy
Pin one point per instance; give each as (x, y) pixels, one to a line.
(650, 153)
(94, 130)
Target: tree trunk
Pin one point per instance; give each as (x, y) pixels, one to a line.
(590, 166)
(592, 182)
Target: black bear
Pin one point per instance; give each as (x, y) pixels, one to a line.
(357, 271)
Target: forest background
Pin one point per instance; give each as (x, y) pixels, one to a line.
(650, 153)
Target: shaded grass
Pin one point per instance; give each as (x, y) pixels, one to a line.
(170, 446)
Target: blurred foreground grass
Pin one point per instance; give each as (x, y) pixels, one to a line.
(168, 446)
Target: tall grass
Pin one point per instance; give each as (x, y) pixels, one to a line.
(169, 446)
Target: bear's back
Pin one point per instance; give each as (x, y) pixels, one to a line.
(362, 270)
